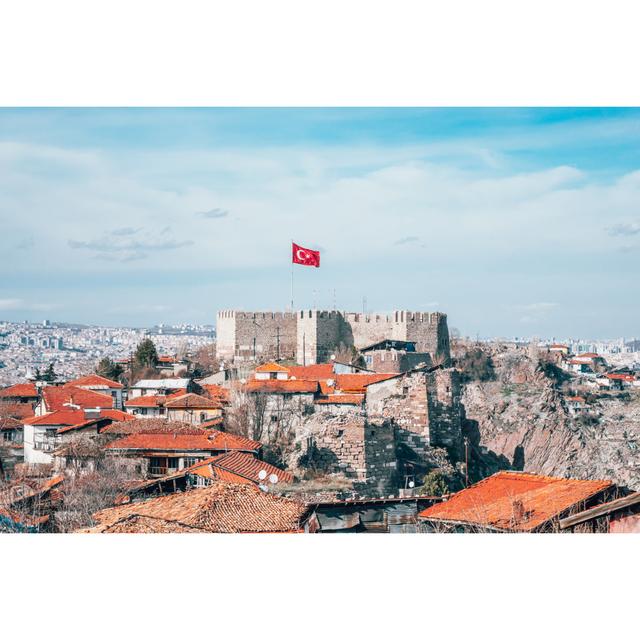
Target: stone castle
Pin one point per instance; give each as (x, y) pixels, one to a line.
(312, 336)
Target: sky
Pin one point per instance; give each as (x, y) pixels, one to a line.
(515, 222)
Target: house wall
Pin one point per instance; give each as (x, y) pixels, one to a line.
(31, 454)
(627, 523)
(192, 415)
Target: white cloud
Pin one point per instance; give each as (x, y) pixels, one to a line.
(18, 304)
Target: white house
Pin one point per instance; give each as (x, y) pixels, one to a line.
(163, 386)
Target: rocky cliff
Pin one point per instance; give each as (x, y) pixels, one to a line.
(520, 420)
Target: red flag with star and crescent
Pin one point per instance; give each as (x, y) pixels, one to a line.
(307, 257)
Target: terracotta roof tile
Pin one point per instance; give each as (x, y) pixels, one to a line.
(248, 466)
(22, 390)
(196, 440)
(193, 401)
(312, 372)
(154, 400)
(358, 382)
(216, 392)
(7, 423)
(271, 367)
(18, 410)
(56, 398)
(495, 501)
(158, 425)
(281, 386)
(94, 380)
(114, 415)
(221, 508)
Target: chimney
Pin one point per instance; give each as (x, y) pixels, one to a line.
(518, 511)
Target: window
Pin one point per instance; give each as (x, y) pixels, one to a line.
(405, 391)
(203, 416)
(9, 435)
(274, 418)
(189, 462)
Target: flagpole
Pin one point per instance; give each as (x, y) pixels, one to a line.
(292, 276)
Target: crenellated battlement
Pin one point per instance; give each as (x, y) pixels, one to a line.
(313, 335)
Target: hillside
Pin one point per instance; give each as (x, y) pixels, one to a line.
(520, 420)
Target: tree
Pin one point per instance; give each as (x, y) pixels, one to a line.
(476, 365)
(146, 355)
(204, 362)
(435, 484)
(107, 368)
(49, 374)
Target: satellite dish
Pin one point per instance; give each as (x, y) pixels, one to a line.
(262, 474)
(412, 484)
(333, 357)
(243, 380)
(330, 383)
(273, 478)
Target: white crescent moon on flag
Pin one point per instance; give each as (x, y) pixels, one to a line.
(301, 254)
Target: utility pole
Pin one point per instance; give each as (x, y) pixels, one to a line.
(466, 461)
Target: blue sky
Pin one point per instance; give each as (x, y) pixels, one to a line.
(513, 221)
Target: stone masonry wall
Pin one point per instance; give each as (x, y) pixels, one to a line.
(363, 452)
(322, 332)
(236, 331)
(422, 404)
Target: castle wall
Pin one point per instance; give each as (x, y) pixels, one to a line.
(364, 452)
(272, 332)
(425, 408)
(320, 334)
(312, 336)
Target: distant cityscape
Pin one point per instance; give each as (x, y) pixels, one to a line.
(75, 349)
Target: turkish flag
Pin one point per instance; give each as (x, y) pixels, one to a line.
(307, 257)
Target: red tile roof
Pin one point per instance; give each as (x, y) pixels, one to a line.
(214, 422)
(151, 425)
(221, 508)
(358, 382)
(248, 466)
(196, 440)
(312, 372)
(270, 367)
(155, 400)
(627, 377)
(193, 401)
(22, 390)
(216, 392)
(19, 410)
(281, 386)
(7, 423)
(93, 380)
(115, 415)
(56, 398)
(514, 501)
(575, 399)
(62, 417)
